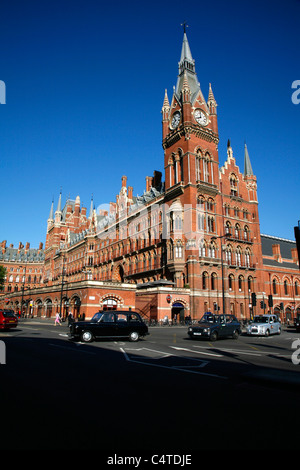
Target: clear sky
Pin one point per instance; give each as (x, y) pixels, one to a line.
(85, 83)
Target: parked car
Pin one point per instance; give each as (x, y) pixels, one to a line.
(110, 324)
(212, 326)
(8, 319)
(264, 325)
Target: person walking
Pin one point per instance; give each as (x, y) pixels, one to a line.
(57, 319)
(70, 319)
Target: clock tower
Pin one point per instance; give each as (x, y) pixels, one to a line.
(190, 130)
(191, 162)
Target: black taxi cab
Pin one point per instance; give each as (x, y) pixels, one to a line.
(109, 324)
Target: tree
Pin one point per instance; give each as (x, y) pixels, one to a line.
(2, 276)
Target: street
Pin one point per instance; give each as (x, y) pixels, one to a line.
(163, 393)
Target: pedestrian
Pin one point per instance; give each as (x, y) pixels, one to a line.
(70, 319)
(57, 319)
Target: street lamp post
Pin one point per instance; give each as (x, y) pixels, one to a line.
(227, 235)
(62, 285)
(23, 287)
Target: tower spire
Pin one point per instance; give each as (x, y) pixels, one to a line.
(51, 212)
(166, 104)
(91, 208)
(211, 102)
(58, 213)
(247, 164)
(59, 203)
(165, 114)
(187, 65)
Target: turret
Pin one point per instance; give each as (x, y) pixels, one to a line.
(58, 212)
(249, 177)
(165, 115)
(212, 106)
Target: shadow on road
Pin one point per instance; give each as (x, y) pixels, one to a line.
(64, 395)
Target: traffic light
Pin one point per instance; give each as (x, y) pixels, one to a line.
(270, 300)
(253, 299)
(261, 304)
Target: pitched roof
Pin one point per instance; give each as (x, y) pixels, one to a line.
(285, 251)
(33, 255)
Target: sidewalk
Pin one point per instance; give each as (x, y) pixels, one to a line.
(41, 320)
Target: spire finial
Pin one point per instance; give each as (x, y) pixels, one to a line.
(166, 104)
(229, 150)
(185, 25)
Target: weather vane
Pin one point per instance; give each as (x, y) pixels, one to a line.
(185, 25)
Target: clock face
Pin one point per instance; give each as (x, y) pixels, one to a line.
(200, 117)
(175, 119)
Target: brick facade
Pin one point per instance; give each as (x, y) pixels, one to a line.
(191, 243)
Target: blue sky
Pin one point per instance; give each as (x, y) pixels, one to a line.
(85, 84)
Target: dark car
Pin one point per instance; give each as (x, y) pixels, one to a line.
(8, 319)
(110, 324)
(213, 326)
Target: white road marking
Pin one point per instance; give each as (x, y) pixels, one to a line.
(197, 352)
(233, 351)
(181, 368)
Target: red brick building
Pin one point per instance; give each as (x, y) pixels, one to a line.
(191, 243)
(24, 270)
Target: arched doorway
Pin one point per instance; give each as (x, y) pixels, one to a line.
(75, 304)
(110, 304)
(39, 306)
(288, 316)
(177, 312)
(65, 306)
(48, 308)
(277, 312)
(29, 308)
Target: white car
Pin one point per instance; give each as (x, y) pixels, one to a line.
(264, 325)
